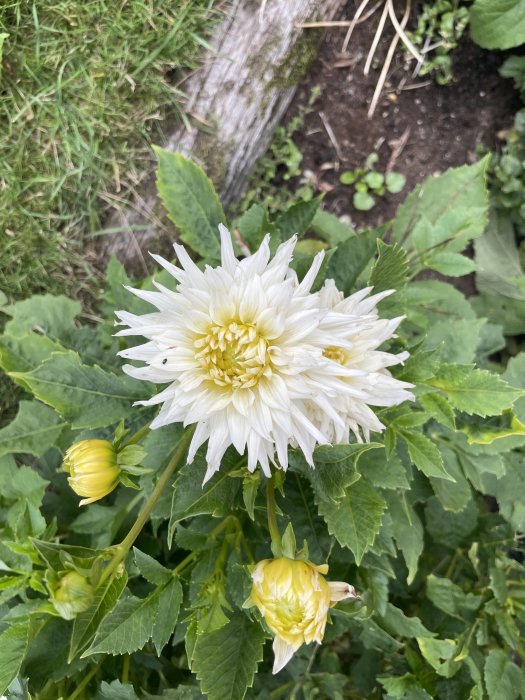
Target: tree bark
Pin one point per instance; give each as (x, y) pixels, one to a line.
(235, 101)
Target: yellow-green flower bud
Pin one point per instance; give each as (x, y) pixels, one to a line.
(73, 594)
(294, 598)
(93, 469)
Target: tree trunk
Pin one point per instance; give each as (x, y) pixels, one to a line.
(235, 101)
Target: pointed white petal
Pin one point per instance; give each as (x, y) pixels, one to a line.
(283, 653)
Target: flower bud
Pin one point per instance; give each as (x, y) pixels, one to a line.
(73, 594)
(93, 469)
(294, 598)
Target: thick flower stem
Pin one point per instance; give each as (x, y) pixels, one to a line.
(272, 518)
(123, 548)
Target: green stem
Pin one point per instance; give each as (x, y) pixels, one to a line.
(125, 668)
(282, 689)
(272, 518)
(194, 555)
(123, 548)
(137, 437)
(83, 683)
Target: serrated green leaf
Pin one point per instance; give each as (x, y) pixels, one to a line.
(330, 228)
(449, 263)
(22, 484)
(509, 313)
(402, 687)
(491, 341)
(88, 397)
(116, 691)
(253, 225)
(407, 531)
(396, 623)
(170, 600)
(351, 258)
(24, 353)
(425, 455)
(354, 520)
(134, 621)
(475, 466)
(191, 202)
(34, 430)
(151, 569)
(498, 24)
(376, 594)
(506, 487)
(474, 390)
(448, 209)
(421, 365)
(300, 508)
(450, 598)
(335, 468)
(215, 497)
(505, 430)
(515, 375)
(297, 218)
(439, 409)
(127, 627)
(50, 315)
(55, 554)
(503, 679)
(225, 661)
(250, 487)
(453, 496)
(13, 647)
(390, 270)
(444, 335)
(87, 622)
(432, 301)
(448, 528)
(497, 258)
(440, 654)
(382, 471)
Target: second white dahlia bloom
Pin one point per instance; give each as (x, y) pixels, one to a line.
(259, 362)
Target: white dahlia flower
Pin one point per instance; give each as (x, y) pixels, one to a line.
(259, 362)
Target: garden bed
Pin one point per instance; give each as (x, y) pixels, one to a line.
(440, 126)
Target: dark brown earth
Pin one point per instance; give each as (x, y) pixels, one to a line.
(444, 125)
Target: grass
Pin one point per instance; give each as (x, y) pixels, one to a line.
(85, 87)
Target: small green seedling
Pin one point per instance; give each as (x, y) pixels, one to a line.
(440, 26)
(368, 182)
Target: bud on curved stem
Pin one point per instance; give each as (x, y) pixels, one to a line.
(123, 548)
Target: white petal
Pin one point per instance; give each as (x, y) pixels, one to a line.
(339, 590)
(228, 259)
(283, 653)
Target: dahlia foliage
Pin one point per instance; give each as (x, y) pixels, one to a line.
(296, 396)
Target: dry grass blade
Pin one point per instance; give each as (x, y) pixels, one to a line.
(388, 61)
(358, 13)
(375, 42)
(400, 29)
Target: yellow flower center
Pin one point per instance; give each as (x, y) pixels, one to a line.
(289, 612)
(234, 355)
(334, 353)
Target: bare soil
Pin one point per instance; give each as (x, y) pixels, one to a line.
(443, 126)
